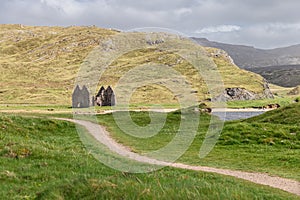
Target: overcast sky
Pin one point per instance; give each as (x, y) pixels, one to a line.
(259, 23)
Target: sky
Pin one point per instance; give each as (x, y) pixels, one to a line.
(260, 23)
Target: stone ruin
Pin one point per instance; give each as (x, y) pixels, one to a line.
(105, 97)
(81, 97)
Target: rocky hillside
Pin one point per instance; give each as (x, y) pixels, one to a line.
(39, 64)
(279, 66)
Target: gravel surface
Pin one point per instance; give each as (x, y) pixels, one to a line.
(103, 136)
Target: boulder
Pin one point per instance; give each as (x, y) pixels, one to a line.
(242, 94)
(235, 94)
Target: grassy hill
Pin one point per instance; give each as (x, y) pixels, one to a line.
(39, 64)
(286, 115)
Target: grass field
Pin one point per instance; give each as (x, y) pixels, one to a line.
(44, 159)
(268, 143)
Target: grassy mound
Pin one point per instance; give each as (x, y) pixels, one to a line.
(288, 115)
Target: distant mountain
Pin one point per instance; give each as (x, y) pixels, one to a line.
(280, 66)
(249, 57)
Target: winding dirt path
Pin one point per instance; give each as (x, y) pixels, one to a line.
(103, 136)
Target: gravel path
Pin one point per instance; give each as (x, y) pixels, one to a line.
(103, 136)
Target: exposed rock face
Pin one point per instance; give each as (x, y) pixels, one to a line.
(220, 53)
(267, 92)
(235, 94)
(149, 42)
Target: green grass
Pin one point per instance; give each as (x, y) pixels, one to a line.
(289, 115)
(267, 143)
(44, 159)
(282, 101)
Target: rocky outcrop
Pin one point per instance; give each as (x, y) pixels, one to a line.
(150, 42)
(221, 53)
(242, 94)
(266, 91)
(235, 94)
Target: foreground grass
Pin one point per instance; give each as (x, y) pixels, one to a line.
(267, 143)
(44, 159)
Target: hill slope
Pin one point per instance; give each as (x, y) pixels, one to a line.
(286, 115)
(286, 75)
(39, 65)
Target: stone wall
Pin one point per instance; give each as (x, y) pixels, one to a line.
(81, 97)
(105, 97)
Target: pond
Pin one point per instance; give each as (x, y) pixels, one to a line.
(235, 115)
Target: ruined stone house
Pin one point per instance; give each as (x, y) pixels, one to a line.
(105, 97)
(81, 97)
